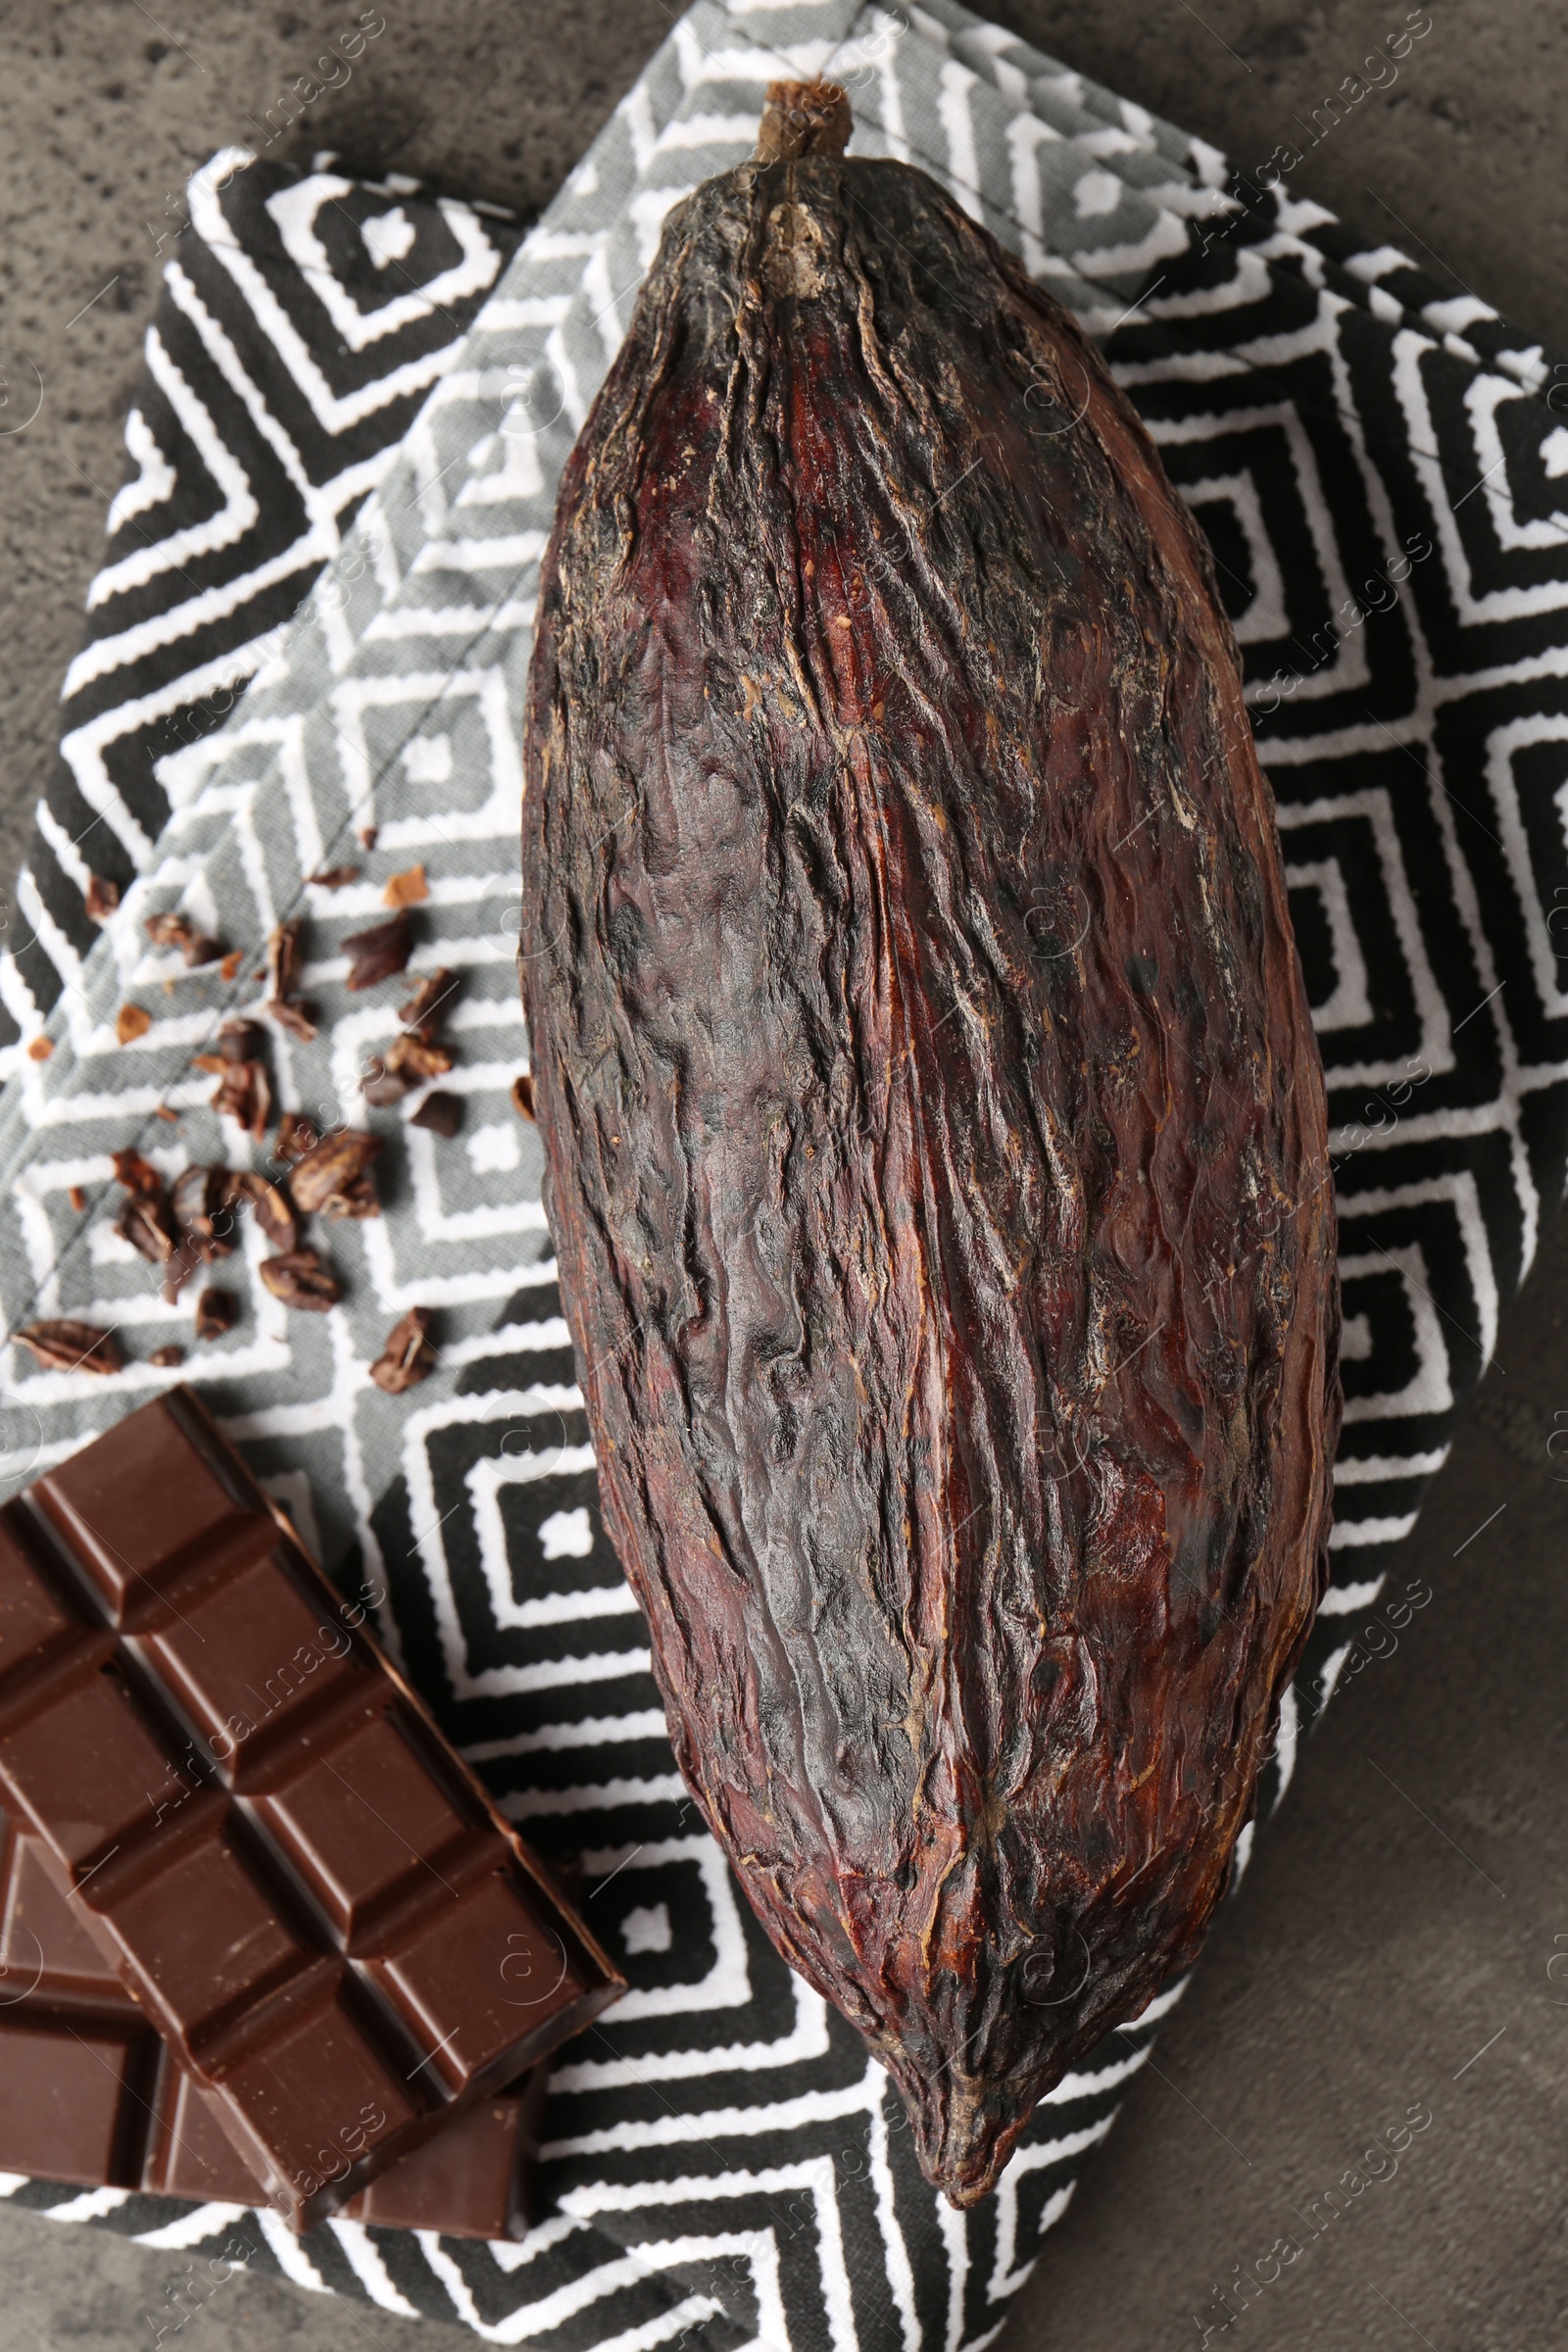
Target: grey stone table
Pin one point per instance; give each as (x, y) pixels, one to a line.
(1392, 1947)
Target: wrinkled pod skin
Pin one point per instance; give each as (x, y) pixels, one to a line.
(936, 1145)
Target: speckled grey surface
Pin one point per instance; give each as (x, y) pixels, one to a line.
(1378, 1947)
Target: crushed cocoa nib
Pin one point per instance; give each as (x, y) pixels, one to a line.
(285, 957)
(241, 1041)
(441, 1113)
(408, 1356)
(377, 953)
(64, 1346)
(426, 1009)
(217, 1311)
(522, 1095)
(291, 1014)
(275, 1218)
(103, 898)
(244, 1092)
(144, 1221)
(300, 1278)
(333, 1177)
(170, 1118)
(131, 1020)
(370, 835)
(230, 963)
(296, 1135)
(200, 1202)
(407, 1062)
(334, 877)
(179, 931)
(40, 1048)
(167, 1357)
(77, 1199)
(136, 1174)
(407, 889)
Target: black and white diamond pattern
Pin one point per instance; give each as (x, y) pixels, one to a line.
(303, 321)
(1382, 477)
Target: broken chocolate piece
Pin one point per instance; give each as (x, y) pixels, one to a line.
(102, 897)
(312, 1900)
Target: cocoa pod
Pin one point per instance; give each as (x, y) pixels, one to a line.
(935, 1133)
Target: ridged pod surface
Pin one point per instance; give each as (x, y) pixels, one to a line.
(935, 1131)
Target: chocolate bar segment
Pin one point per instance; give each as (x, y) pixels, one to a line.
(89, 2094)
(310, 1895)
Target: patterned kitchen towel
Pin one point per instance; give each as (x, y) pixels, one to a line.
(302, 318)
(1375, 469)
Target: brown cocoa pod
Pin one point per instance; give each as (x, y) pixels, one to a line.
(935, 1133)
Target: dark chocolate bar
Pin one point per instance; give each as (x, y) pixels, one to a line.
(307, 1892)
(91, 2094)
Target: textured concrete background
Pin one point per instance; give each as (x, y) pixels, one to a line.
(1393, 1942)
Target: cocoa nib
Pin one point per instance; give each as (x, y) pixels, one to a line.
(335, 1174)
(179, 931)
(291, 1014)
(285, 958)
(300, 1278)
(441, 1113)
(407, 1062)
(166, 1358)
(274, 1217)
(427, 1010)
(103, 898)
(145, 1223)
(244, 1092)
(136, 1174)
(200, 1201)
(408, 1356)
(217, 1311)
(522, 1095)
(296, 1135)
(379, 953)
(334, 877)
(241, 1041)
(63, 1346)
